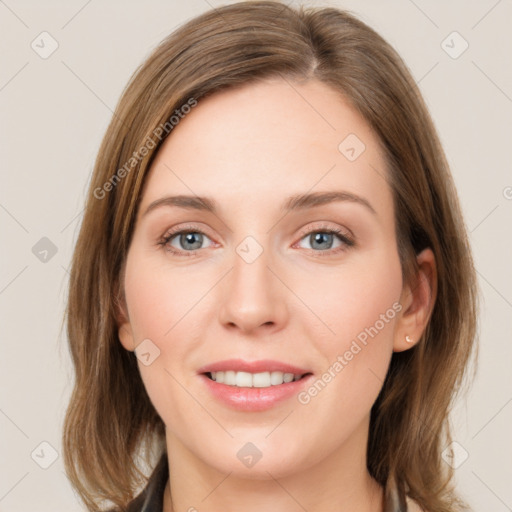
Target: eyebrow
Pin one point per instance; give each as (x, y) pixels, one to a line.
(293, 203)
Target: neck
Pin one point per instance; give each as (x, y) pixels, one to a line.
(339, 481)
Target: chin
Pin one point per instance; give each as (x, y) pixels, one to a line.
(259, 459)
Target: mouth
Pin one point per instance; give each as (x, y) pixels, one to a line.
(254, 380)
(253, 386)
(254, 392)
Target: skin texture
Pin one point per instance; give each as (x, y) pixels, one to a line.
(249, 149)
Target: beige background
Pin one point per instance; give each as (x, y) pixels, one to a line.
(53, 114)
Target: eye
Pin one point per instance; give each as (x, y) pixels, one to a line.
(321, 240)
(184, 242)
(187, 241)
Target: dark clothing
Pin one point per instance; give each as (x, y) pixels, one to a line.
(151, 499)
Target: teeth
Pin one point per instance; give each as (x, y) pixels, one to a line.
(253, 380)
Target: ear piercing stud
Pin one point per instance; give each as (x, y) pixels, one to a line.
(408, 339)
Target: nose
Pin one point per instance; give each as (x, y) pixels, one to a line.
(253, 297)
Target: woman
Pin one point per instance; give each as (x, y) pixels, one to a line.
(256, 368)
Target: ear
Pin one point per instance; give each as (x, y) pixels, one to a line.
(124, 328)
(417, 299)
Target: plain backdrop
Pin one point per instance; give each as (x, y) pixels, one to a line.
(54, 112)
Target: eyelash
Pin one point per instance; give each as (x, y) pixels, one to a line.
(346, 240)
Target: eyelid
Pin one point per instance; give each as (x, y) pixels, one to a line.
(324, 225)
(192, 227)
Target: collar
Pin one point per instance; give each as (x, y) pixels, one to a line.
(151, 499)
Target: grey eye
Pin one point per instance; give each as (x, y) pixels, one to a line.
(322, 240)
(188, 240)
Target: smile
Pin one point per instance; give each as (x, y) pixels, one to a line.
(253, 380)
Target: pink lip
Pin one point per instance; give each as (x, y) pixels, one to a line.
(254, 399)
(264, 365)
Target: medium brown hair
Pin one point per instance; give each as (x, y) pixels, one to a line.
(110, 420)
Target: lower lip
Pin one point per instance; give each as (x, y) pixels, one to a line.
(254, 399)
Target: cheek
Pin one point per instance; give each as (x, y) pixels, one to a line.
(351, 299)
(157, 298)
(360, 304)
(162, 306)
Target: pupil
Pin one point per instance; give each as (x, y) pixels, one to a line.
(189, 238)
(319, 237)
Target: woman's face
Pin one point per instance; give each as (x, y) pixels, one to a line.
(259, 277)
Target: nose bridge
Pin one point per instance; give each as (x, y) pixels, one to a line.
(253, 296)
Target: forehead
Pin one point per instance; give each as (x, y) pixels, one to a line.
(261, 142)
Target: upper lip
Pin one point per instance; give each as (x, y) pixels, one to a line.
(263, 365)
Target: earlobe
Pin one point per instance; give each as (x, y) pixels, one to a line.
(418, 301)
(126, 336)
(124, 328)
